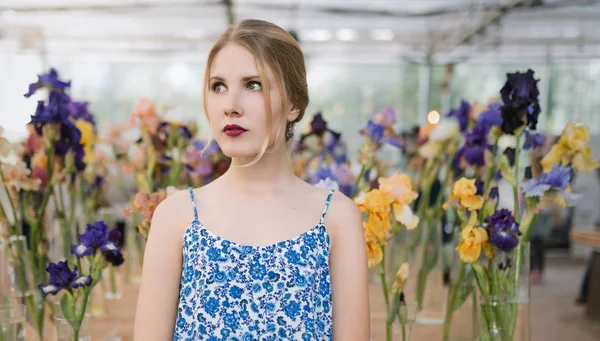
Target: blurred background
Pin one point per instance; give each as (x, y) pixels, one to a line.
(417, 56)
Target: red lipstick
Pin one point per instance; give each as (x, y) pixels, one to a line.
(234, 130)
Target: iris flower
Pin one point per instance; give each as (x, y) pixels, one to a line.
(62, 278)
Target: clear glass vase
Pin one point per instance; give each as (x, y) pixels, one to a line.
(403, 326)
(20, 268)
(112, 283)
(12, 322)
(503, 319)
(462, 316)
(66, 332)
(426, 283)
(505, 314)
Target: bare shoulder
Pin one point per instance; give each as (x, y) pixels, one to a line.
(173, 214)
(343, 219)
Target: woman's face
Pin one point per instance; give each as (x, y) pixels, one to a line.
(235, 103)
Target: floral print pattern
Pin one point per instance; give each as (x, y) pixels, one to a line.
(238, 292)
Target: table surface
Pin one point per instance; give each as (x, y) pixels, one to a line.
(587, 237)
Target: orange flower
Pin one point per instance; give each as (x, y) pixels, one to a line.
(146, 203)
(375, 202)
(17, 177)
(374, 253)
(474, 239)
(464, 193)
(400, 188)
(145, 111)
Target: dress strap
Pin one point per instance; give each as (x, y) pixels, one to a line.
(326, 206)
(191, 189)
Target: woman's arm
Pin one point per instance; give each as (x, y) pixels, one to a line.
(159, 290)
(349, 272)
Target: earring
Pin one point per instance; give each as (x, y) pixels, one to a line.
(290, 131)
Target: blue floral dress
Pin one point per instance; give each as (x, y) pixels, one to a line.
(233, 292)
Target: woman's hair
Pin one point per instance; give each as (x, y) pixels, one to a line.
(272, 47)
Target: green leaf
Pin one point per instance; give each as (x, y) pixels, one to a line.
(464, 293)
(67, 305)
(96, 274)
(395, 307)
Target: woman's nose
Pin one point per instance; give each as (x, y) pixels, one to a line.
(232, 104)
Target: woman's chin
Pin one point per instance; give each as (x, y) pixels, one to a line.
(240, 152)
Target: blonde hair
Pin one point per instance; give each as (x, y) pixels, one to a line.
(274, 47)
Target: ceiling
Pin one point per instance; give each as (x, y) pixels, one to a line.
(369, 30)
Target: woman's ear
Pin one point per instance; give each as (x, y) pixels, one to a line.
(293, 114)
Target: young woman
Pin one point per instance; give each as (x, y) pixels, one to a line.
(258, 254)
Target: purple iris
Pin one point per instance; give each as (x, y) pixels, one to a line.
(185, 132)
(375, 131)
(347, 189)
(476, 143)
(503, 230)
(335, 147)
(462, 114)
(557, 180)
(55, 111)
(80, 111)
(491, 117)
(61, 277)
(532, 140)
(318, 125)
(520, 88)
(97, 236)
(479, 187)
(521, 105)
(322, 174)
(48, 80)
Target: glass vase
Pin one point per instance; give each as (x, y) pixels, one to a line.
(12, 322)
(134, 249)
(426, 283)
(112, 283)
(505, 314)
(66, 332)
(504, 319)
(20, 268)
(462, 316)
(403, 326)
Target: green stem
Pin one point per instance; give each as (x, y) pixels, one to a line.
(363, 169)
(113, 280)
(462, 267)
(403, 332)
(486, 311)
(12, 206)
(516, 177)
(386, 295)
(81, 314)
(475, 315)
(425, 262)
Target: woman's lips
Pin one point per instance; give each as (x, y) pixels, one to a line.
(234, 130)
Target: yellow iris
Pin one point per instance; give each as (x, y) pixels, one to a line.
(464, 192)
(88, 138)
(400, 188)
(375, 202)
(572, 148)
(474, 239)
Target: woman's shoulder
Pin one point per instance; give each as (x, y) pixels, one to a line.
(177, 208)
(342, 214)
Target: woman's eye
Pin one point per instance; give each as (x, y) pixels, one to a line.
(218, 87)
(254, 86)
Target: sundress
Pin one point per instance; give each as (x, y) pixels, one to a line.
(232, 292)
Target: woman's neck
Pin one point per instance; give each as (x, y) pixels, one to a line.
(271, 172)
